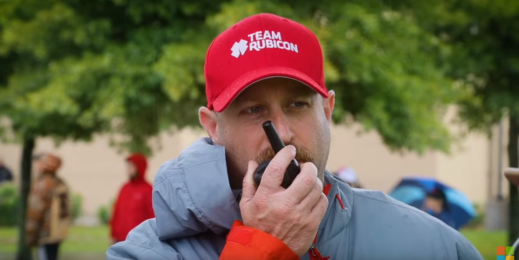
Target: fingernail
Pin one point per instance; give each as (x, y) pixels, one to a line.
(293, 148)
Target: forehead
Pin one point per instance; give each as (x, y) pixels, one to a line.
(279, 87)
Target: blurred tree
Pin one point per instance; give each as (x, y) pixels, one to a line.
(485, 63)
(490, 43)
(71, 69)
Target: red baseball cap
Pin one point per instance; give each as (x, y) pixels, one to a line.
(259, 47)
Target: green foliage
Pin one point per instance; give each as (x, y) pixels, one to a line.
(78, 70)
(77, 206)
(9, 197)
(479, 220)
(104, 213)
(485, 64)
(8, 204)
(134, 68)
(388, 76)
(484, 60)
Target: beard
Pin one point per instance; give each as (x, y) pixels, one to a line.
(302, 155)
(238, 155)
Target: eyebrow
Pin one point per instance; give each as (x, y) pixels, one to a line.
(295, 91)
(254, 99)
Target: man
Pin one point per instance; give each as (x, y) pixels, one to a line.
(49, 210)
(270, 68)
(349, 176)
(435, 204)
(5, 173)
(133, 204)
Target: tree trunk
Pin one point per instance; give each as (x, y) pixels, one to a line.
(513, 158)
(24, 252)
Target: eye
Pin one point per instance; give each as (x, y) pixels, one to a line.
(298, 104)
(255, 110)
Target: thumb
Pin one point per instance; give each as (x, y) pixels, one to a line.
(248, 186)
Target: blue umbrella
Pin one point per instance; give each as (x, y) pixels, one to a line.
(413, 190)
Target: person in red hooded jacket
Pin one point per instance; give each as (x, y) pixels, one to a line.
(134, 202)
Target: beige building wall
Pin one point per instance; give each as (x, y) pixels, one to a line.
(468, 165)
(376, 166)
(466, 168)
(97, 171)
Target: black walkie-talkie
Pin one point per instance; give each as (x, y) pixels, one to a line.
(293, 168)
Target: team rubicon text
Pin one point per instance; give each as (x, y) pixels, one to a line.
(261, 40)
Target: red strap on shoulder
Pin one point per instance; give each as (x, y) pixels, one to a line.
(326, 189)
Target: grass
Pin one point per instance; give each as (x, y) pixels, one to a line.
(80, 240)
(92, 243)
(486, 241)
(82, 244)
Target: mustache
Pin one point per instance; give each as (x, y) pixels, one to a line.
(302, 155)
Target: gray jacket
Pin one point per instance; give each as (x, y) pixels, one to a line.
(195, 208)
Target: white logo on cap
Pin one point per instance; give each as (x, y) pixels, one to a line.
(239, 48)
(261, 40)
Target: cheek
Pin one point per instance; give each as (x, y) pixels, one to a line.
(241, 143)
(313, 133)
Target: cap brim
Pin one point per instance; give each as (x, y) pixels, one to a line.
(232, 91)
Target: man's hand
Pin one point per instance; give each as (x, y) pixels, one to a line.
(292, 215)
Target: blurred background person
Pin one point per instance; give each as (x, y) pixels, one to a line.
(134, 202)
(348, 175)
(435, 204)
(436, 198)
(49, 210)
(5, 173)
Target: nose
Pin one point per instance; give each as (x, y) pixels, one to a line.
(283, 127)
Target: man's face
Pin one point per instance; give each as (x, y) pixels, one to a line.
(434, 204)
(300, 115)
(131, 170)
(40, 164)
(48, 164)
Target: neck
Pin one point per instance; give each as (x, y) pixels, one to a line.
(136, 178)
(235, 181)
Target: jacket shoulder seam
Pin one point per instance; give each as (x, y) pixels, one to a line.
(176, 167)
(180, 172)
(387, 202)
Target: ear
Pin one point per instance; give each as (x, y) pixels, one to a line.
(329, 105)
(208, 121)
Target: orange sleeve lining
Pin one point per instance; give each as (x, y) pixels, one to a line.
(250, 243)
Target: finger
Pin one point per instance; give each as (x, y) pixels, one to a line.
(275, 171)
(303, 183)
(313, 197)
(248, 186)
(320, 208)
